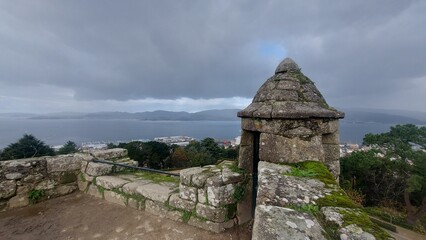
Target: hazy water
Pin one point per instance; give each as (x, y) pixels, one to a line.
(56, 132)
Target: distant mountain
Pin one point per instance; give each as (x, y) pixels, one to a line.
(209, 115)
(352, 115)
(383, 116)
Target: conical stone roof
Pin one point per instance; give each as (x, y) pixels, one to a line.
(289, 95)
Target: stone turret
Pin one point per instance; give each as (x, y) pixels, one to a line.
(289, 121)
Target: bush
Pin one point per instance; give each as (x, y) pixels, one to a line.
(26, 147)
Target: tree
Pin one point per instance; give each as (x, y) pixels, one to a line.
(178, 158)
(397, 143)
(26, 147)
(69, 147)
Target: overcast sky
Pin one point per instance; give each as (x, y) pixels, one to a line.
(87, 56)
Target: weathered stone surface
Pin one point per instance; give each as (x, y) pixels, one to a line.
(108, 153)
(211, 213)
(64, 163)
(133, 203)
(202, 196)
(186, 175)
(98, 169)
(82, 185)
(215, 180)
(354, 232)
(245, 209)
(130, 188)
(273, 222)
(245, 158)
(228, 176)
(219, 196)
(18, 201)
(211, 226)
(110, 182)
(61, 190)
(278, 189)
(156, 192)
(199, 179)
(331, 138)
(94, 191)
(177, 202)
(329, 126)
(288, 85)
(188, 193)
(279, 149)
(33, 178)
(46, 185)
(287, 65)
(160, 210)
(14, 176)
(115, 198)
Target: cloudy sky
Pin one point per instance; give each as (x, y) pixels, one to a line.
(134, 56)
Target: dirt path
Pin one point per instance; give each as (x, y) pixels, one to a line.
(402, 233)
(79, 216)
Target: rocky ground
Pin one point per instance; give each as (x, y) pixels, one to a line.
(80, 216)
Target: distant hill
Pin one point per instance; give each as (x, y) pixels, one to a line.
(352, 115)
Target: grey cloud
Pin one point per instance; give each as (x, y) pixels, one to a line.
(115, 50)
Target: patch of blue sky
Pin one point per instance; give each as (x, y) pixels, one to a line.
(272, 50)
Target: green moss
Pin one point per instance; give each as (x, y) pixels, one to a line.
(34, 196)
(239, 192)
(156, 177)
(137, 197)
(307, 208)
(312, 169)
(101, 190)
(300, 76)
(362, 220)
(186, 215)
(82, 178)
(67, 178)
(337, 198)
(231, 209)
(234, 168)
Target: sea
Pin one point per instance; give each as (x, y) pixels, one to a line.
(58, 131)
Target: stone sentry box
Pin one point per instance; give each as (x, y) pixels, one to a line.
(288, 121)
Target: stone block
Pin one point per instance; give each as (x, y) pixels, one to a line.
(211, 226)
(7, 188)
(279, 149)
(63, 163)
(177, 202)
(82, 185)
(109, 153)
(202, 196)
(220, 196)
(46, 185)
(215, 180)
(158, 209)
(33, 178)
(110, 182)
(199, 179)
(115, 198)
(18, 201)
(331, 138)
(186, 174)
(330, 126)
(272, 222)
(245, 210)
(67, 177)
(14, 176)
(275, 188)
(130, 188)
(61, 190)
(98, 169)
(211, 213)
(88, 177)
(188, 193)
(133, 203)
(228, 176)
(94, 191)
(156, 192)
(245, 158)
